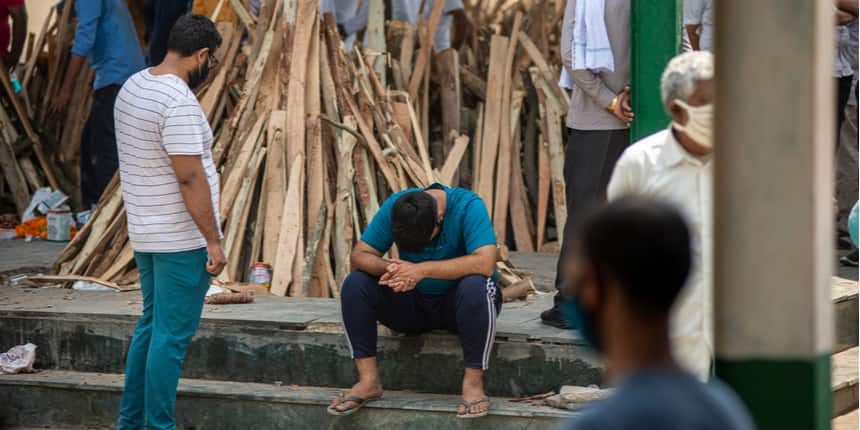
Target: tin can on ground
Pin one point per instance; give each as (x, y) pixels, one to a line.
(59, 225)
(260, 273)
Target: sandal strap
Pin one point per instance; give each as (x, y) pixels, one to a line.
(479, 401)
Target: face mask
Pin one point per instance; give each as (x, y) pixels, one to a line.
(699, 125)
(198, 75)
(577, 317)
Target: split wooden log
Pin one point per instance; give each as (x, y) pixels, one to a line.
(553, 113)
(503, 171)
(291, 225)
(230, 298)
(276, 179)
(521, 224)
(452, 163)
(343, 224)
(449, 88)
(422, 64)
(14, 177)
(492, 119)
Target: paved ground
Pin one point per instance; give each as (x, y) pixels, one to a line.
(16, 254)
(846, 422)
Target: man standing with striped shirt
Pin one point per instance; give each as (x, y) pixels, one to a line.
(170, 189)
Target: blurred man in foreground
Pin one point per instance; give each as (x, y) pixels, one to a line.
(629, 264)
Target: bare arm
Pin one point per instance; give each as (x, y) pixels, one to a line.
(367, 259)
(61, 100)
(481, 262)
(404, 276)
(693, 35)
(194, 187)
(848, 6)
(19, 35)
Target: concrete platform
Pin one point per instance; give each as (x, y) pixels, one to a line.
(78, 399)
(844, 380)
(295, 341)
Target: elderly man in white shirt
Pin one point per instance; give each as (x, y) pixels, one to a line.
(675, 165)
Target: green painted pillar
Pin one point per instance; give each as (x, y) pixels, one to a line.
(773, 182)
(655, 27)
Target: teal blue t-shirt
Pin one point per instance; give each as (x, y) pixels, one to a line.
(466, 226)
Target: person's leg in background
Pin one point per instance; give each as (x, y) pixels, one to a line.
(847, 176)
(164, 15)
(588, 163)
(131, 409)
(470, 309)
(843, 93)
(98, 146)
(181, 282)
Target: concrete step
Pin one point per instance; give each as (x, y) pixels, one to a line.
(78, 399)
(845, 311)
(844, 380)
(294, 341)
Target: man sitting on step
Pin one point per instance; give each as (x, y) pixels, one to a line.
(444, 279)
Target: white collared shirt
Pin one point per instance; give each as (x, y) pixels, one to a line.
(658, 166)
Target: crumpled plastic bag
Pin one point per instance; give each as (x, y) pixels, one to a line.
(19, 359)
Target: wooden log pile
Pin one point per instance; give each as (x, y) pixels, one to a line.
(38, 149)
(310, 139)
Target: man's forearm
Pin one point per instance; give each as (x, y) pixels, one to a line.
(459, 267)
(693, 36)
(75, 64)
(368, 263)
(198, 201)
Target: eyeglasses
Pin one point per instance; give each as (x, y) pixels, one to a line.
(213, 61)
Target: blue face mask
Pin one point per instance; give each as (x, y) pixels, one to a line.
(577, 318)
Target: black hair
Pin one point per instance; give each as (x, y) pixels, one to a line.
(413, 218)
(191, 33)
(642, 244)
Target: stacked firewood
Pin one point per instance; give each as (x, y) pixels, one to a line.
(310, 139)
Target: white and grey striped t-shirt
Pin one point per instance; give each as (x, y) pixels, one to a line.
(157, 116)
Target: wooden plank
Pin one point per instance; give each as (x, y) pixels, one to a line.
(556, 162)
(542, 65)
(99, 225)
(39, 47)
(343, 201)
(520, 217)
(126, 256)
(423, 62)
(291, 226)
(73, 278)
(407, 49)
(543, 190)
(374, 36)
(228, 51)
(492, 119)
(14, 177)
(365, 186)
(503, 170)
(230, 189)
(422, 147)
(315, 170)
(449, 88)
(238, 218)
(30, 173)
(276, 180)
(476, 146)
(452, 163)
(259, 221)
(54, 64)
(473, 83)
(294, 127)
(403, 120)
(246, 18)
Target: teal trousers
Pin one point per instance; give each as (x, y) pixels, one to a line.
(174, 286)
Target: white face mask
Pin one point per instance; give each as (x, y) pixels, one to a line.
(699, 127)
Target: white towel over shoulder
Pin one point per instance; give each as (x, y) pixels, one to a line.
(591, 48)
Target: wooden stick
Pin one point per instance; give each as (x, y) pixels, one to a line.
(520, 220)
(374, 36)
(230, 189)
(449, 88)
(503, 172)
(73, 278)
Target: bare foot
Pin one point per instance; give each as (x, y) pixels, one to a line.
(473, 389)
(365, 390)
